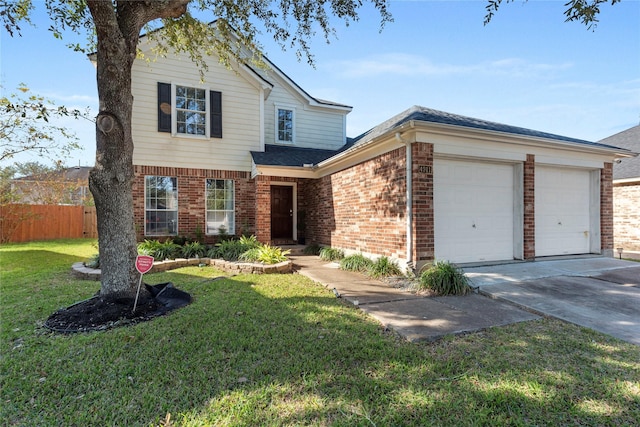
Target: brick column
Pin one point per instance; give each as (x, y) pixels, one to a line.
(423, 220)
(529, 229)
(606, 209)
(263, 208)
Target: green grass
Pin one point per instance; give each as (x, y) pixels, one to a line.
(278, 350)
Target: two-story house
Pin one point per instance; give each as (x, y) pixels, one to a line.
(249, 151)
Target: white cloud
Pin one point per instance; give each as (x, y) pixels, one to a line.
(404, 64)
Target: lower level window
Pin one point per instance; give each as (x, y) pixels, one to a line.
(160, 206)
(220, 201)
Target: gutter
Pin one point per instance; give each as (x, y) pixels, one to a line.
(409, 196)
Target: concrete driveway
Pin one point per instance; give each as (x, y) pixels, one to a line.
(599, 293)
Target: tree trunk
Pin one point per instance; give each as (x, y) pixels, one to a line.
(112, 177)
(118, 26)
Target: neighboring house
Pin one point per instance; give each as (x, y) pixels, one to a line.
(61, 187)
(626, 192)
(249, 151)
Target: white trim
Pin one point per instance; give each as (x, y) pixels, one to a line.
(174, 112)
(626, 180)
(595, 234)
(262, 126)
(570, 162)
(206, 210)
(285, 107)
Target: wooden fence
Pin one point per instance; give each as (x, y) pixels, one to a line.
(24, 223)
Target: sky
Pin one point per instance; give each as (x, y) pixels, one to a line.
(527, 67)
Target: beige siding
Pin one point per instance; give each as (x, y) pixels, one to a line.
(315, 127)
(240, 117)
(242, 102)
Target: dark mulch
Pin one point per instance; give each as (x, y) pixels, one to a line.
(96, 314)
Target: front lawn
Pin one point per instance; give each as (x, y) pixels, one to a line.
(281, 350)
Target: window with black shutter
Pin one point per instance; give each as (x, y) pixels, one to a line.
(190, 107)
(164, 107)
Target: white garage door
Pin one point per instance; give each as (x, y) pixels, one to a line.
(473, 209)
(562, 211)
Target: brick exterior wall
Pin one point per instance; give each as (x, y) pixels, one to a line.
(362, 208)
(423, 217)
(626, 216)
(263, 203)
(606, 209)
(529, 213)
(191, 199)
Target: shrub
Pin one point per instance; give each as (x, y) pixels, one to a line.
(357, 262)
(445, 278)
(265, 254)
(93, 261)
(159, 251)
(331, 254)
(312, 249)
(384, 267)
(231, 250)
(148, 247)
(223, 235)
(193, 250)
(167, 250)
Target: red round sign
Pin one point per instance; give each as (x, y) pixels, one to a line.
(144, 263)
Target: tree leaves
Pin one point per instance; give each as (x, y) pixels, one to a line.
(25, 126)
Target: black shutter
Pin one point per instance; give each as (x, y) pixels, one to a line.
(164, 107)
(215, 102)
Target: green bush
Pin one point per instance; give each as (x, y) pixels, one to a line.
(331, 254)
(93, 261)
(148, 247)
(312, 249)
(168, 250)
(160, 250)
(231, 250)
(193, 250)
(357, 262)
(265, 254)
(384, 267)
(445, 278)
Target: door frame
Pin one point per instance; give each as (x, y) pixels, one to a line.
(294, 190)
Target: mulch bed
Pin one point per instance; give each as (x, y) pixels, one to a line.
(97, 314)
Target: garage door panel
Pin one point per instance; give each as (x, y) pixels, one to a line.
(473, 205)
(562, 210)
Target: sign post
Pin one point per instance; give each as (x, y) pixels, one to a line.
(144, 263)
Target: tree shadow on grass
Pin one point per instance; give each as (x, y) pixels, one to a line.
(280, 350)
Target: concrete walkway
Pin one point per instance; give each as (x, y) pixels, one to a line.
(595, 292)
(414, 317)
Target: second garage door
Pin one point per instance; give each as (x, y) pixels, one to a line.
(562, 203)
(474, 211)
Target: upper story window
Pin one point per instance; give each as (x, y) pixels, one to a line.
(285, 125)
(191, 110)
(186, 110)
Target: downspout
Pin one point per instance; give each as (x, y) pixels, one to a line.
(409, 196)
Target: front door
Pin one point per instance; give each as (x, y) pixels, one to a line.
(281, 212)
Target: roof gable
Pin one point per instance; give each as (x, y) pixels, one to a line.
(629, 139)
(428, 115)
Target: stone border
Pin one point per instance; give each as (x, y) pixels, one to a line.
(80, 271)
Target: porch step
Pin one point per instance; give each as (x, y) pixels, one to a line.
(294, 249)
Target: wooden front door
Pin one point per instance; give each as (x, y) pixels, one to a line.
(281, 212)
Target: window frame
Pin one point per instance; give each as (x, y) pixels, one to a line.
(148, 209)
(230, 227)
(292, 109)
(175, 110)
